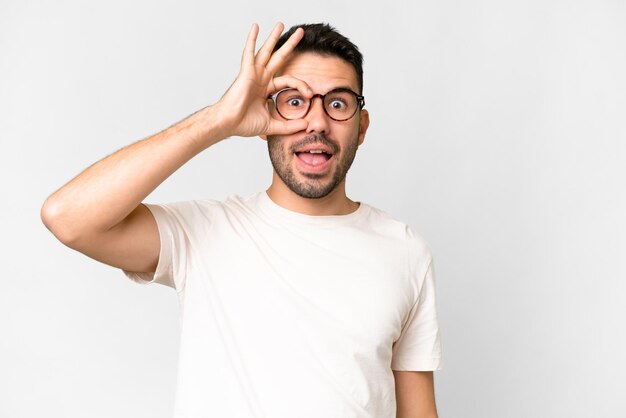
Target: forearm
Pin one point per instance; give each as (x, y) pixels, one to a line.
(106, 192)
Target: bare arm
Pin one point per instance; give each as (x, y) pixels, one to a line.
(99, 212)
(415, 394)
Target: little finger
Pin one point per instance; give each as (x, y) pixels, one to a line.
(247, 57)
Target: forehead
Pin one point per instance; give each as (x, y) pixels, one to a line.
(321, 72)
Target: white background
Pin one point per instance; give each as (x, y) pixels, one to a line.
(497, 132)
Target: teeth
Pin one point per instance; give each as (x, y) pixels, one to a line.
(316, 151)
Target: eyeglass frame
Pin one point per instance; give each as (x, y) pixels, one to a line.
(360, 102)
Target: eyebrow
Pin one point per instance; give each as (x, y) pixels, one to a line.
(343, 87)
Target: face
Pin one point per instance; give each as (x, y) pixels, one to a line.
(313, 175)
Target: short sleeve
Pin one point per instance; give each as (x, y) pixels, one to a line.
(173, 255)
(419, 346)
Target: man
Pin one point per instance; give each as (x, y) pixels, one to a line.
(296, 301)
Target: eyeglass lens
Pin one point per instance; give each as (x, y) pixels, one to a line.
(339, 105)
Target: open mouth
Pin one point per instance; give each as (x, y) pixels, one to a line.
(314, 158)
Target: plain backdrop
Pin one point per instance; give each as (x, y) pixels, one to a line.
(497, 132)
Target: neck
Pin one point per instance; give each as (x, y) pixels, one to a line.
(335, 203)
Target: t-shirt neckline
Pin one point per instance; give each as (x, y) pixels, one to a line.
(274, 210)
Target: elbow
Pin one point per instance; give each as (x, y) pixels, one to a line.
(54, 219)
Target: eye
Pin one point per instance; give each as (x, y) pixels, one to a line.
(289, 99)
(295, 102)
(337, 103)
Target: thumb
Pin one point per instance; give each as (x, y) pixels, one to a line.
(279, 127)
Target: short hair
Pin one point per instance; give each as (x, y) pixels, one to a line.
(323, 39)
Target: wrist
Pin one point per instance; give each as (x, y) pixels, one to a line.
(206, 127)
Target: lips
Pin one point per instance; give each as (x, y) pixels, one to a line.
(314, 154)
(315, 147)
(314, 161)
(313, 157)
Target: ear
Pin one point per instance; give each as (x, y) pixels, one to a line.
(364, 123)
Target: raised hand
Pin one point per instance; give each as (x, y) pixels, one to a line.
(244, 105)
(99, 212)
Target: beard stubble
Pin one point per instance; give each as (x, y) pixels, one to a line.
(314, 185)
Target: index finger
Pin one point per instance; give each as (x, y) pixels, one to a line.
(279, 57)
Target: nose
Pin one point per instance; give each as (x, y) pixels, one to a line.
(317, 118)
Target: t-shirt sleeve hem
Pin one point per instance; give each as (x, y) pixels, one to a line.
(418, 365)
(163, 274)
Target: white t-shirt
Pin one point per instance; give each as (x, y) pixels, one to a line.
(289, 315)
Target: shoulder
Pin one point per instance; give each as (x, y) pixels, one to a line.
(187, 207)
(186, 213)
(417, 247)
(207, 209)
(400, 229)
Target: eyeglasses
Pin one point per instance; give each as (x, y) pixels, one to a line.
(339, 104)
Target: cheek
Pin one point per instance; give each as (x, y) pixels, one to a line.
(278, 145)
(349, 134)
